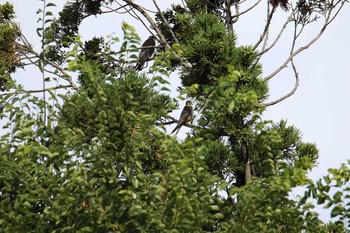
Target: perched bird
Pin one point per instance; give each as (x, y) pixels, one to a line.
(186, 116)
(146, 52)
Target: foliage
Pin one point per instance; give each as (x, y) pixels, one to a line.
(98, 159)
(9, 59)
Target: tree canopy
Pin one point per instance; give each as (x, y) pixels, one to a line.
(98, 158)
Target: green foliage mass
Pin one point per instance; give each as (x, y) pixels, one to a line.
(8, 55)
(99, 160)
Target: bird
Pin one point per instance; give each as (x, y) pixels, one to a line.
(146, 52)
(185, 117)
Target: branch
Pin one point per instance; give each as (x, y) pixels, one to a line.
(173, 121)
(28, 48)
(229, 21)
(166, 22)
(114, 10)
(155, 27)
(277, 38)
(236, 16)
(245, 11)
(150, 20)
(291, 92)
(284, 65)
(328, 20)
(267, 26)
(37, 91)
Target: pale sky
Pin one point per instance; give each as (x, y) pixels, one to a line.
(319, 107)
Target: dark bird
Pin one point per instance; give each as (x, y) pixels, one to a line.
(186, 116)
(146, 52)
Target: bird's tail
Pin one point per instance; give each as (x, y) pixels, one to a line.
(138, 66)
(176, 128)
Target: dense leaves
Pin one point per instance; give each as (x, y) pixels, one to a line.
(9, 58)
(98, 159)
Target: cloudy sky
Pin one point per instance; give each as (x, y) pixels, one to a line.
(319, 108)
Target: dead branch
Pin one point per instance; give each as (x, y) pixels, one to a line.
(234, 20)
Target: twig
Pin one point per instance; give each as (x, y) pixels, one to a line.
(292, 55)
(155, 27)
(277, 38)
(267, 34)
(267, 26)
(291, 92)
(245, 11)
(166, 22)
(114, 10)
(37, 91)
(173, 121)
(65, 76)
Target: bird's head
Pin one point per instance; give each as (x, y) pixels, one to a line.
(189, 103)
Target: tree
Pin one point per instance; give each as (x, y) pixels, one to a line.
(98, 159)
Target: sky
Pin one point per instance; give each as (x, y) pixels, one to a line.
(319, 108)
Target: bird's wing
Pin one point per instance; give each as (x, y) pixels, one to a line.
(185, 116)
(145, 53)
(142, 59)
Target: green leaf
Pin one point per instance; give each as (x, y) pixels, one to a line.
(50, 4)
(337, 210)
(218, 216)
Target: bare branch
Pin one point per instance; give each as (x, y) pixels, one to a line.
(245, 11)
(235, 17)
(150, 20)
(292, 55)
(267, 25)
(229, 22)
(155, 27)
(115, 10)
(276, 39)
(37, 91)
(166, 22)
(27, 47)
(342, 3)
(296, 85)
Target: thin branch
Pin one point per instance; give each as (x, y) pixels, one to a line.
(267, 34)
(37, 91)
(115, 10)
(245, 11)
(155, 27)
(267, 25)
(150, 20)
(175, 121)
(296, 85)
(277, 38)
(166, 22)
(65, 75)
(235, 17)
(337, 12)
(292, 55)
(229, 21)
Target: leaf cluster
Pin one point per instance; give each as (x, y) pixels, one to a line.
(9, 58)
